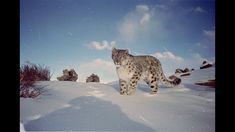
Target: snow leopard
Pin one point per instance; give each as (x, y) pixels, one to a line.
(131, 69)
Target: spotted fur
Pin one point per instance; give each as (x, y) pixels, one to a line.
(131, 69)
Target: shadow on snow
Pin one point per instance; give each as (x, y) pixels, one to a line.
(89, 114)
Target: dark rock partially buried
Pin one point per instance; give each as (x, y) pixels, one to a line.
(93, 78)
(205, 64)
(68, 75)
(210, 83)
(185, 74)
(181, 71)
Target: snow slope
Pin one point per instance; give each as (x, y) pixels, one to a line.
(200, 75)
(73, 106)
(22, 127)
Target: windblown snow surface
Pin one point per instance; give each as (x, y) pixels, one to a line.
(74, 106)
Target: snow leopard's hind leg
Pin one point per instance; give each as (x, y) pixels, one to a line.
(152, 82)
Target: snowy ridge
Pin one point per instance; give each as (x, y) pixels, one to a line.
(199, 75)
(73, 106)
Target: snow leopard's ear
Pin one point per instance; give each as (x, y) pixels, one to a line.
(113, 49)
(114, 52)
(126, 51)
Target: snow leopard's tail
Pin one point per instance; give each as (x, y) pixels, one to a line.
(171, 82)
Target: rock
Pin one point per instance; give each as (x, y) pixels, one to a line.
(210, 83)
(205, 64)
(93, 78)
(68, 75)
(186, 70)
(179, 71)
(185, 74)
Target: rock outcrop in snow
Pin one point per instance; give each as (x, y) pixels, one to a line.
(68, 75)
(181, 71)
(93, 78)
(205, 64)
(184, 72)
(210, 83)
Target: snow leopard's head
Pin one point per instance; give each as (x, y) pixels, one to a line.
(119, 55)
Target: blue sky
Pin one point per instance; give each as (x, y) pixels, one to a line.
(79, 34)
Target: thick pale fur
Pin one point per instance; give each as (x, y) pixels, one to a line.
(131, 69)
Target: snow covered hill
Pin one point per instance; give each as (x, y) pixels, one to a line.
(74, 106)
(200, 75)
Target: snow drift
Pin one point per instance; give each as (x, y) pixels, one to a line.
(73, 106)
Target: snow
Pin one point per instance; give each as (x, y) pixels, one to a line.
(75, 106)
(22, 127)
(207, 63)
(200, 75)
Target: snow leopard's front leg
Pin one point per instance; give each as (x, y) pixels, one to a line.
(123, 87)
(133, 84)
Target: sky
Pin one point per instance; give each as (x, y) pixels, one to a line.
(79, 34)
